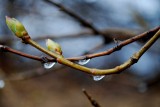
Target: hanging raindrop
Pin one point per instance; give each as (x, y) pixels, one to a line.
(83, 61)
(2, 84)
(98, 77)
(49, 65)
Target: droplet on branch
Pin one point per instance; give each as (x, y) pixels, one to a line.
(83, 61)
(49, 65)
(98, 77)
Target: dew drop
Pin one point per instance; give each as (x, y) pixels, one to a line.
(83, 61)
(98, 77)
(49, 65)
(2, 84)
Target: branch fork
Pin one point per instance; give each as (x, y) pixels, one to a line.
(19, 32)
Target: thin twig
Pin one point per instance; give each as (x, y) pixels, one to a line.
(72, 14)
(4, 48)
(60, 59)
(124, 43)
(89, 56)
(118, 33)
(84, 22)
(92, 101)
(105, 33)
(8, 49)
(23, 34)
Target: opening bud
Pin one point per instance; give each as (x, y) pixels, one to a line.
(53, 46)
(16, 27)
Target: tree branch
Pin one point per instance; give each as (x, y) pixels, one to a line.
(122, 44)
(89, 56)
(80, 19)
(118, 69)
(72, 14)
(92, 101)
(19, 30)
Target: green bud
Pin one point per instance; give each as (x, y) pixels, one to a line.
(53, 46)
(16, 27)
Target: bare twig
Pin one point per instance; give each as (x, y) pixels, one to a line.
(124, 43)
(81, 20)
(118, 33)
(19, 30)
(8, 49)
(71, 13)
(108, 35)
(92, 101)
(60, 59)
(89, 56)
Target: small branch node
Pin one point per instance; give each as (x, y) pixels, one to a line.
(134, 59)
(93, 71)
(117, 42)
(86, 57)
(25, 39)
(3, 48)
(118, 69)
(44, 59)
(118, 47)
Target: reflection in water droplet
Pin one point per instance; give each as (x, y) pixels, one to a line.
(98, 77)
(83, 61)
(49, 65)
(2, 84)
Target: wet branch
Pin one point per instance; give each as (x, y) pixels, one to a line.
(88, 56)
(4, 48)
(54, 50)
(60, 59)
(119, 46)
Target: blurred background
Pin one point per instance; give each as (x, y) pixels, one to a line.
(27, 83)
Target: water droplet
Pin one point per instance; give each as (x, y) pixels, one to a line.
(83, 61)
(98, 77)
(2, 84)
(49, 65)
